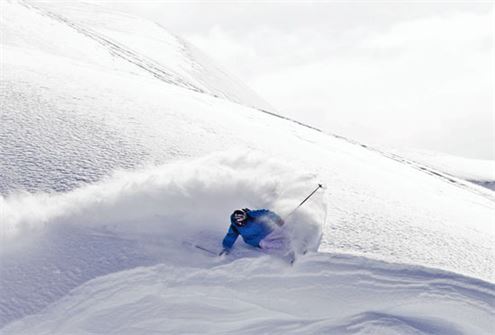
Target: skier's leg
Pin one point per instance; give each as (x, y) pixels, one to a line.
(278, 241)
(278, 244)
(271, 244)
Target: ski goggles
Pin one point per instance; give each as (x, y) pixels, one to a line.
(240, 217)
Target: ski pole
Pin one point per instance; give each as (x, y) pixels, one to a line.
(306, 199)
(194, 245)
(206, 250)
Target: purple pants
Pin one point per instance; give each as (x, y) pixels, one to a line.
(277, 241)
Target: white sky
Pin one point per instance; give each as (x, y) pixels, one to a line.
(398, 74)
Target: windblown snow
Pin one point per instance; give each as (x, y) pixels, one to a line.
(121, 147)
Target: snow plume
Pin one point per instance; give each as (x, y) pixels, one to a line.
(140, 218)
(177, 198)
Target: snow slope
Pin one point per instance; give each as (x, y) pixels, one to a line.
(145, 45)
(478, 171)
(108, 167)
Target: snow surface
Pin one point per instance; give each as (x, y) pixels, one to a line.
(478, 171)
(110, 171)
(324, 294)
(105, 34)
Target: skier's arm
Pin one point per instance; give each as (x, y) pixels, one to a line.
(276, 218)
(230, 238)
(271, 216)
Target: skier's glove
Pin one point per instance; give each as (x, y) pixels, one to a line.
(223, 252)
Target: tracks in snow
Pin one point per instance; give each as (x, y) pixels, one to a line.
(118, 50)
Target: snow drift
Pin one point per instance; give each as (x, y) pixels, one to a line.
(322, 294)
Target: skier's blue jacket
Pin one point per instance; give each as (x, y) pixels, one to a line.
(258, 225)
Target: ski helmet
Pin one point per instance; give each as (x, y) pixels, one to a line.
(239, 217)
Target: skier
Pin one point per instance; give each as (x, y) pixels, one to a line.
(260, 228)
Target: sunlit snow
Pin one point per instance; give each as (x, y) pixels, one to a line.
(114, 162)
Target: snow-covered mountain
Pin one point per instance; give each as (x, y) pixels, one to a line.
(121, 146)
